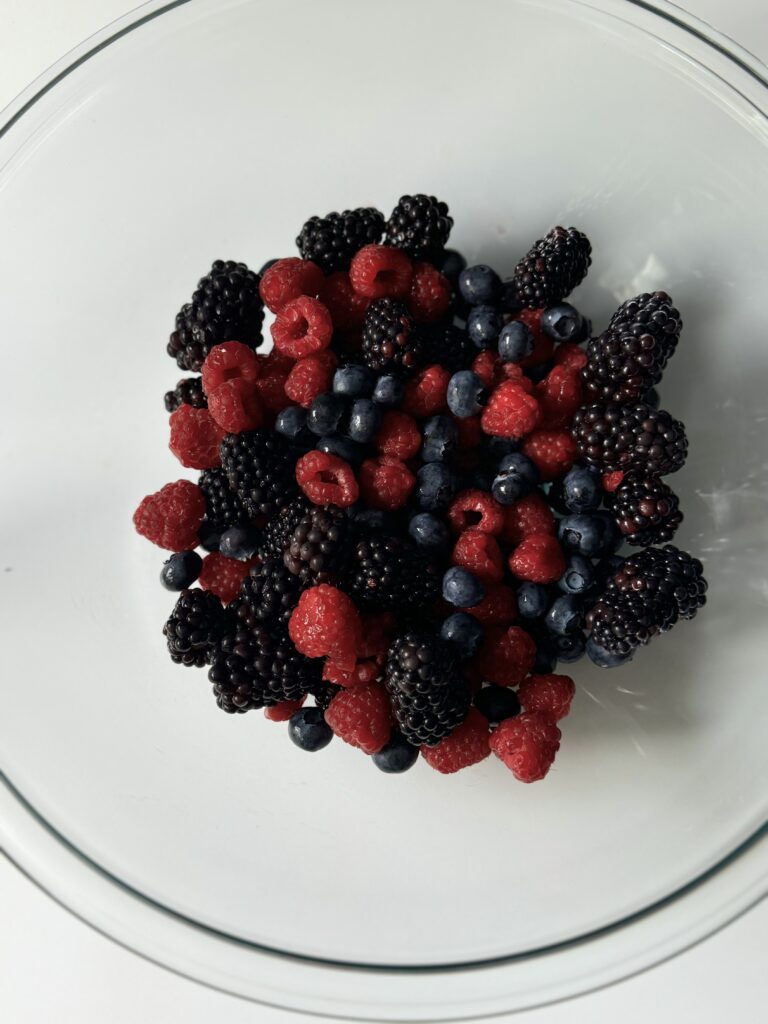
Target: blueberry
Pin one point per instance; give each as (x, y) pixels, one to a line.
(239, 542)
(565, 616)
(612, 535)
(364, 420)
(653, 399)
(479, 285)
(532, 600)
(465, 632)
(497, 447)
(389, 390)
(563, 322)
(325, 413)
(585, 534)
(497, 703)
(429, 532)
(606, 659)
(515, 341)
(291, 422)
(581, 489)
(538, 372)
(461, 588)
(450, 263)
(181, 570)
(309, 730)
(344, 448)
(546, 658)
(483, 326)
(266, 266)
(517, 476)
(209, 537)
(354, 380)
(441, 437)
(569, 647)
(466, 394)
(578, 576)
(398, 755)
(436, 486)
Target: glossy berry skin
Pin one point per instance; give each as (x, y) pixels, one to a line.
(565, 616)
(466, 394)
(364, 420)
(563, 323)
(441, 436)
(497, 703)
(464, 632)
(436, 486)
(532, 600)
(291, 422)
(606, 659)
(581, 489)
(325, 413)
(479, 285)
(516, 477)
(450, 263)
(483, 326)
(515, 342)
(578, 577)
(239, 542)
(354, 380)
(429, 532)
(397, 756)
(309, 730)
(588, 535)
(344, 448)
(462, 588)
(569, 647)
(181, 570)
(389, 390)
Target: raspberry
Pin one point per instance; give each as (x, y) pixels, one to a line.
(549, 694)
(377, 271)
(484, 365)
(498, 607)
(430, 294)
(510, 412)
(365, 670)
(398, 435)
(282, 712)
(476, 509)
(326, 623)
(195, 438)
(223, 576)
(326, 479)
(361, 717)
(506, 656)
(543, 345)
(288, 279)
(302, 326)
(386, 483)
(515, 373)
(552, 452)
(527, 515)
(230, 361)
(172, 516)
(310, 377)
(466, 745)
(346, 306)
(559, 396)
(480, 554)
(470, 431)
(270, 385)
(538, 558)
(527, 744)
(425, 392)
(612, 481)
(235, 405)
(570, 355)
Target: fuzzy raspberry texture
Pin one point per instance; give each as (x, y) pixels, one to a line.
(380, 271)
(288, 279)
(571, 356)
(526, 516)
(612, 481)
(227, 362)
(549, 694)
(398, 435)
(552, 452)
(270, 384)
(506, 655)
(362, 717)
(478, 510)
(327, 480)
(171, 516)
(559, 395)
(195, 438)
(236, 406)
(310, 377)
(543, 345)
(510, 412)
(527, 744)
(538, 558)
(465, 746)
(386, 483)
(425, 392)
(223, 576)
(365, 671)
(346, 306)
(498, 607)
(479, 553)
(302, 326)
(430, 294)
(326, 624)
(485, 365)
(284, 710)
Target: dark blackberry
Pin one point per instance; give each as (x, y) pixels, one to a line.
(622, 367)
(390, 337)
(333, 240)
(449, 345)
(646, 510)
(194, 627)
(278, 530)
(649, 314)
(420, 225)
(318, 545)
(260, 468)
(324, 694)
(189, 391)
(388, 573)
(430, 695)
(223, 508)
(662, 574)
(634, 438)
(620, 623)
(226, 306)
(552, 268)
(268, 595)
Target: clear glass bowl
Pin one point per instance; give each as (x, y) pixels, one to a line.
(209, 129)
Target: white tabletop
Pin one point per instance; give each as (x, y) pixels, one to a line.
(57, 970)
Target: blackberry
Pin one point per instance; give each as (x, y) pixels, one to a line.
(316, 549)
(646, 510)
(391, 574)
(420, 225)
(650, 314)
(193, 627)
(622, 367)
(430, 695)
(324, 694)
(278, 530)
(333, 240)
(449, 345)
(223, 508)
(390, 337)
(634, 438)
(662, 574)
(226, 306)
(552, 268)
(620, 623)
(268, 595)
(260, 468)
(189, 391)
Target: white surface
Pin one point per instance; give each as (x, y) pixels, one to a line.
(723, 974)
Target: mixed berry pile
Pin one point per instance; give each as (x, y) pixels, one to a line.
(412, 506)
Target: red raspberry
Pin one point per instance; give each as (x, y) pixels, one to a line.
(288, 279)
(570, 355)
(465, 746)
(282, 712)
(527, 745)
(386, 482)
(476, 509)
(425, 392)
(366, 670)
(527, 515)
(327, 480)
(172, 516)
(430, 294)
(230, 361)
(195, 438)
(310, 377)
(223, 576)
(398, 435)
(506, 655)
(543, 345)
(510, 412)
(346, 307)
(480, 553)
(302, 326)
(236, 405)
(498, 607)
(514, 372)
(362, 717)
(326, 623)
(550, 694)
(538, 558)
(559, 396)
(377, 271)
(270, 384)
(612, 481)
(553, 452)
(484, 365)
(470, 431)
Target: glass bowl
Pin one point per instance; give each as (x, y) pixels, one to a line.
(199, 130)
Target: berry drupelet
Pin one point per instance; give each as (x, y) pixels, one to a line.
(389, 573)
(622, 367)
(552, 268)
(649, 314)
(663, 574)
(194, 627)
(420, 225)
(223, 508)
(189, 391)
(260, 469)
(620, 623)
(317, 549)
(448, 345)
(633, 438)
(646, 510)
(390, 338)
(268, 595)
(280, 527)
(333, 240)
